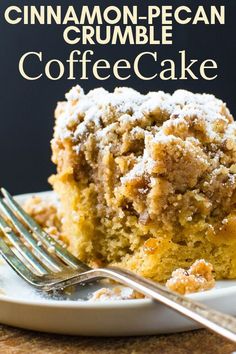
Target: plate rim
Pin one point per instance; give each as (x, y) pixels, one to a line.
(201, 296)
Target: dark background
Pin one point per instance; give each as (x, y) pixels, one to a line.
(26, 107)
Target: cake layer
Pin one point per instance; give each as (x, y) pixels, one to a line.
(147, 182)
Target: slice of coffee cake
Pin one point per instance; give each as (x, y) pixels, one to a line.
(147, 182)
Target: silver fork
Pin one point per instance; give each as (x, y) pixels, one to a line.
(49, 266)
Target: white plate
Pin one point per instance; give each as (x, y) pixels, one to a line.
(22, 306)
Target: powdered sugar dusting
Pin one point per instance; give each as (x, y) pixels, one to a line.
(82, 110)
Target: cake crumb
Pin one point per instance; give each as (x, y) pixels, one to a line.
(46, 213)
(7, 230)
(116, 293)
(43, 211)
(199, 277)
(51, 249)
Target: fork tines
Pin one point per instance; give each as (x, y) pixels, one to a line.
(27, 247)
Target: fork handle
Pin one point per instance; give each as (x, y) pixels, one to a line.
(218, 322)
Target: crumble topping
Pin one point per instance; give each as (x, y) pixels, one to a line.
(198, 277)
(177, 112)
(183, 142)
